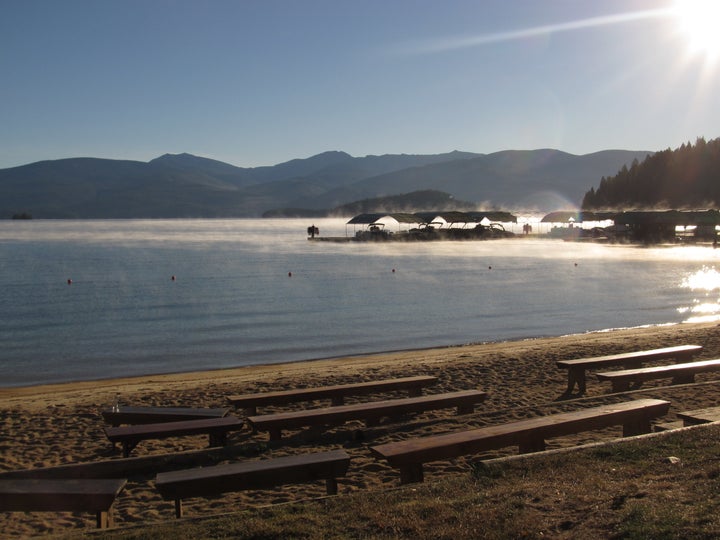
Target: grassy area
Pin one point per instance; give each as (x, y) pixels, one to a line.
(630, 490)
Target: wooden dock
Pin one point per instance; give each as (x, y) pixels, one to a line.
(338, 239)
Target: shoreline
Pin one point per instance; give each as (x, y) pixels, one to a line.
(53, 425)
(240, 371)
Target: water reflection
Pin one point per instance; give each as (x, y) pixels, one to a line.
(705, 308)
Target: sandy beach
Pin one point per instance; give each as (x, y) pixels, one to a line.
(47, 426)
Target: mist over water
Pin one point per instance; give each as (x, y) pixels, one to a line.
(256, 291)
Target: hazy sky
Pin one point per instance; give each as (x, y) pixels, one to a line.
(259, 82)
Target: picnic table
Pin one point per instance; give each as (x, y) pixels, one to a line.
(126, 414)
(216, 429)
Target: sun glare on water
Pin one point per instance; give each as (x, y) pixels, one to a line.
(698, 20)
(706, 308)
(707, 279)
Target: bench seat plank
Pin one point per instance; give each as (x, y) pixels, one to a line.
(152, 415)
(216, 428)
(576, 367)
(529, 435)
(336, 393)
(371, 412)
(700, 416)
(680, 374)
(68, 495)
(260, 474)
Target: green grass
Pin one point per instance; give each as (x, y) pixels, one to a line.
(623, 491)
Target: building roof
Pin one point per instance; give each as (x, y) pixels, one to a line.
(669, 217)
(577, 217)
(427, 217)
(368, 219)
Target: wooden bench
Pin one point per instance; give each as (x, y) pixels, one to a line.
(216, 429)
(576, 368)
(529, 435)
(153, 415)
(72, 495)
(370, 412)
(680, 373)
(262, 474)
(700, 416)
(337, 393)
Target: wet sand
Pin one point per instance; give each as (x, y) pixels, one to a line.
(45, 426)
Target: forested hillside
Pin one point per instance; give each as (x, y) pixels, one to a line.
(685, 178)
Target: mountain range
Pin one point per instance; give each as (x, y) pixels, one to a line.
(188, 186)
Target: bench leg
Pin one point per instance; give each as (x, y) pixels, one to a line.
(331, 486)
(275, 434)
(218, 438)
(104, 519)
(178, 508)
(620, 386)
(412, 473)
(465, 409)
(638, 426)
(683, 378)
(129, 446)
(530, 446)
(576, 376)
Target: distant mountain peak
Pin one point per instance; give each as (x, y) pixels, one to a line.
(330, 157)
(182, 158)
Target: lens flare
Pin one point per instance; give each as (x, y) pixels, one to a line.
(698, 21)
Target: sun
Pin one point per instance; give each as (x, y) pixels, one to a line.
(699, 21)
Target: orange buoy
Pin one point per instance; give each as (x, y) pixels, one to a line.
(69, 281)
(289, 274)
(173, 278)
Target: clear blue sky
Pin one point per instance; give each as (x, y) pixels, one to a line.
(259, 82)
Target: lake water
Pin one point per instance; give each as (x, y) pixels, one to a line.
(256, 291)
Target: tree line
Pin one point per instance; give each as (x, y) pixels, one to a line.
(685, 178)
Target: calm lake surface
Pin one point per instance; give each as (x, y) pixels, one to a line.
(233, 301)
